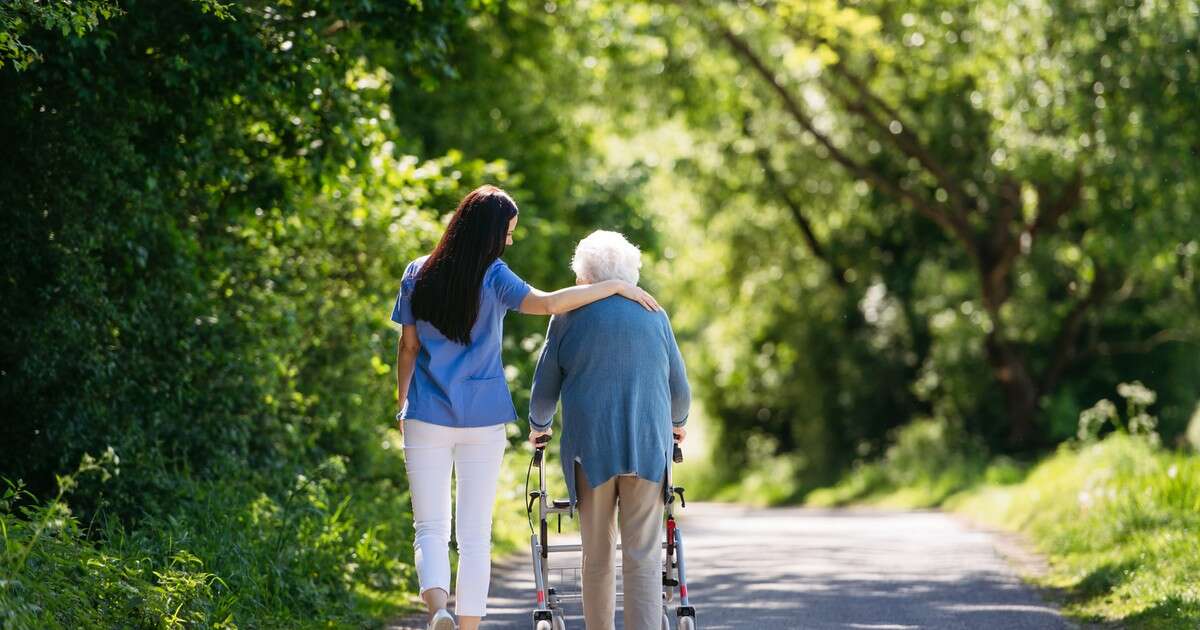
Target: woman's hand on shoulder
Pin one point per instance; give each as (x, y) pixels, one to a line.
(637, 294)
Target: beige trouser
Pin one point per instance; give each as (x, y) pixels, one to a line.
(641, 514)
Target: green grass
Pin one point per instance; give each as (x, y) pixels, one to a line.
(1120, 523)
(1118, 520)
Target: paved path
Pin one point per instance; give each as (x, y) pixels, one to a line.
(815, 569)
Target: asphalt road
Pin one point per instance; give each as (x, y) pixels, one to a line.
(817, 569)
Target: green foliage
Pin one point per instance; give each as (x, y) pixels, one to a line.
(66, 18)
(173, 266)
(928, 462)
(201, 245)
(245, 551)
(852, 238)
(53, 578)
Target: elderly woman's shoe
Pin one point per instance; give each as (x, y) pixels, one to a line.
(442, 620)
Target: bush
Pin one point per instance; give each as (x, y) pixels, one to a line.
(245, 551)
(928, 461)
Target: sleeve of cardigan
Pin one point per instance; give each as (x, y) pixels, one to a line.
(681, 393)
(547, 379)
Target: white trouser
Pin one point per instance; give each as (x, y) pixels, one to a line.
(475, 454)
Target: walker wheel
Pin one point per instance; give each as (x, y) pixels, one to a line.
(543, 625)
(559, 623)
(687, 623)
(666, 622)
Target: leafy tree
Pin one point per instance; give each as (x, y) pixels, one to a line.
(960, 209)
(1002, 156)
(168, 159)
(68, 18)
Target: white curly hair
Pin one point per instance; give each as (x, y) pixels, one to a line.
(604, 255)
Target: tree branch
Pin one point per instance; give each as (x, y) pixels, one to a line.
(1068, 336)
(781, 191)
(905, 139)
(1007, 247)
(1051, 212)
(1165, 336)
(953, 224)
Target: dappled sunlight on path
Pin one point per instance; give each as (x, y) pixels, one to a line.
(807, 568)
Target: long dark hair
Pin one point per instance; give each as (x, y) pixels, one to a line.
(447, 288)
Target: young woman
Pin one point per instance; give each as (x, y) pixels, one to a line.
(450, 381)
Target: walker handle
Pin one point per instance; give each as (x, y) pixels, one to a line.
(677, 454)
(541, 442)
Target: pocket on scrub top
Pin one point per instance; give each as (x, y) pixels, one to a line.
(485, 398)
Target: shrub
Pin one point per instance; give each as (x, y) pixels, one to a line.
(245, 551)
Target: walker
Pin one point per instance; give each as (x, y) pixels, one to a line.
(548, 613)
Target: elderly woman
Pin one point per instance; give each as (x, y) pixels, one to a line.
(618, 371)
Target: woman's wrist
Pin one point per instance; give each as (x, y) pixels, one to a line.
(613, 287)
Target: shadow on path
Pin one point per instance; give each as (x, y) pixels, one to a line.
(806, 568)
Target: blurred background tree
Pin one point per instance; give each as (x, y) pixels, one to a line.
(982, 212)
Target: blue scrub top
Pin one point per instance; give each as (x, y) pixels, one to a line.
(455, 385)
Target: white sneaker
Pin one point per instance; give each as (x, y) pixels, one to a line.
(442, 620)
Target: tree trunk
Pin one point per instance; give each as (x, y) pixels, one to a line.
(1020, 391)
(996, 259)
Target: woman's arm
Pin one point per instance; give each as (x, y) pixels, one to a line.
(565, 300)
(406, 361)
